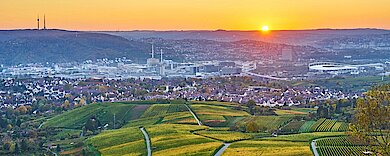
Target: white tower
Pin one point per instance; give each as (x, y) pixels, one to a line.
(152, 51)
(161, 56)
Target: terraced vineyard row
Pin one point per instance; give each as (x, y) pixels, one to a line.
(317, 124)
(339, 126)
(336, 141)
(293, 126)
(326, 126)
(342, 145)
(323, 125)
(340, 150)
(306, 127)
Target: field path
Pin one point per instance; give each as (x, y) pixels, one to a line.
(193, 114)
(314, 147)
(147, 139)
(225, 146)
(40, 126)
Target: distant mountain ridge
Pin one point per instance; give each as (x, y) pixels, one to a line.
(293, 37)
(40, 46)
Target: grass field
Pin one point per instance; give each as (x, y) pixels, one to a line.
(289, 112)
(104, 112)
(118, 142)
(216, 103)
(175, 139)
(266, 123)
(306, 127)
(226, 136)
(268, 148)
(305, 110)
(304, 137)
(213, 115)
(164, 113)
(293, 126)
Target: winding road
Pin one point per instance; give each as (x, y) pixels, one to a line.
(193, 114)
(225, 146)
(314, 147)
(147, 140)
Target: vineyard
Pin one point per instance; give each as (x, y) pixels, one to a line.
(340, 150)
(173, 130)
(306, 127)
(342, 145)
(326, 126)
(293, 126)
(217, 115)
(321, 125)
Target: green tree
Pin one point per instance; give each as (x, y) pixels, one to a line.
(371, 120)
(7, 145)
(17, 148)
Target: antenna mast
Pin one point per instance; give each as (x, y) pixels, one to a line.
(44, 22)
(38, 21)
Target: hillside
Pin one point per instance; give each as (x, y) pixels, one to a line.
(294, 37)
(173, 130)
(32, 46)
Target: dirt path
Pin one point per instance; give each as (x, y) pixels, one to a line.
(314, 147)
(225, 146)
(147, 140)
(193, 114)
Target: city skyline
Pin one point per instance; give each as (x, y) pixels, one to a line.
(196, 15)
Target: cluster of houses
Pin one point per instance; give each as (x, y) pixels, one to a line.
(15, 92)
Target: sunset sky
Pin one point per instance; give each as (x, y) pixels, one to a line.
(195, 14)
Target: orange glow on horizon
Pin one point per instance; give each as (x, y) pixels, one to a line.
(195, 15)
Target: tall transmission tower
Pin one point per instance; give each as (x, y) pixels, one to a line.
(38, 21)
(44, 22)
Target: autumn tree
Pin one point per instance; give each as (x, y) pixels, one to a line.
(372, 120)
(251, 127)
(66, 104)
(22, 109)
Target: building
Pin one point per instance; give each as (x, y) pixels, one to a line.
(340, 68)
(230, 70)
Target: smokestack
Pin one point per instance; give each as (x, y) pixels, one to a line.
(152, 51)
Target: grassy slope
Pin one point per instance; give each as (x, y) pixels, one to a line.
(269, 123)
(104, 112)
(270, 148)
(177, 139)
(174, 139)
(118, 142)
(214, 114)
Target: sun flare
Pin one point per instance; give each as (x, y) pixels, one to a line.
(265, 28)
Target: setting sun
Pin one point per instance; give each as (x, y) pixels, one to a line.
(265, 28)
